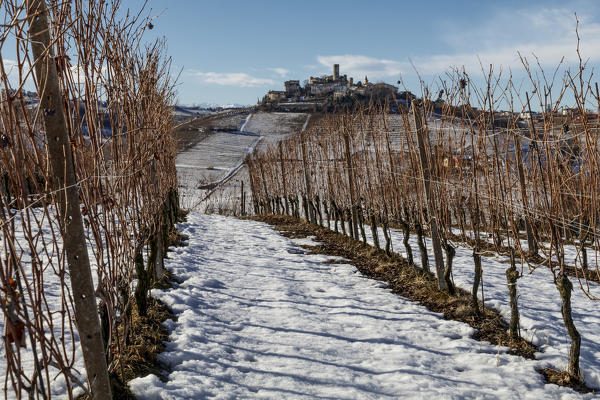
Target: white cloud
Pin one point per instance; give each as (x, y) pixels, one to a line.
(282, 72)
(240, 79)
(79, 73)
(11, 68)
(549, 34)
(18, 78)
(8, 64)
(358, 65)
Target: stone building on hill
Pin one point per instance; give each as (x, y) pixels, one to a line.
(292, 88)
(323, 89)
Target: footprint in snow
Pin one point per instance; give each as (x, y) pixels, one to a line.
(453, 336)
(213, 284)
(295, 250)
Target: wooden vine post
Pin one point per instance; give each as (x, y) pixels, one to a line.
(475, 215)
(61, 160)
(431, 212)
(156, 243)
(242, 200)
(267, 199)
(310, 217)
(283, 182)
(353, 205)
(531, 242)
(565, 287)
(512, 275)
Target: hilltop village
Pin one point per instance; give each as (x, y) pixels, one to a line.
(331, 91)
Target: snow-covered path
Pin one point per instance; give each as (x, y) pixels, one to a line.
(258, 318)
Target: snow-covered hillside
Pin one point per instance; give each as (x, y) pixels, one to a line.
(218, 157)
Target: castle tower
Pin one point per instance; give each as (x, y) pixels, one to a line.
(336, 71)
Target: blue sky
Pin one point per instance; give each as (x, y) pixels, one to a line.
(235, 51)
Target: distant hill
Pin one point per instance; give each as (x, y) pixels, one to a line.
(211, 106)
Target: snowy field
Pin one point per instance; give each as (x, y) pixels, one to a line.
(212, 160)
(219, 157)
(539, 304)
(259, 318)
(276, 126)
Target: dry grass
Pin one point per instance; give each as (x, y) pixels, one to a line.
(145, 341)
(563, 378)
(177, 239)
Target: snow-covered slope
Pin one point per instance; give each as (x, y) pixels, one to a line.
(219, 156)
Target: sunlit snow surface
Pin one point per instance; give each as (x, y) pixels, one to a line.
(257, 317)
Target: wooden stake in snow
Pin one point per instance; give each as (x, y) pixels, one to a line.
(61, 160)
(426, 172)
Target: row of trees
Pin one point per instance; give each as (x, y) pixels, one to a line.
(469, 175)
(86, 163)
